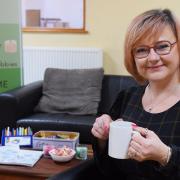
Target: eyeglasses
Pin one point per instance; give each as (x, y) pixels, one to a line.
(161, 48)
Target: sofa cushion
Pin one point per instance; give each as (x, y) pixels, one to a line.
(71, 91)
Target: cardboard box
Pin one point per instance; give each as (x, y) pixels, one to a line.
(33, 17)
(56, 138)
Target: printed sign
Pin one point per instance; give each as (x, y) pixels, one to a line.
(10, 45)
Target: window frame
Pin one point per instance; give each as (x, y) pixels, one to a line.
(60, 30)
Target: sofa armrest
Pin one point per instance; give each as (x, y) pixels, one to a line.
(8, 105)
(85, 170)
(19, 102)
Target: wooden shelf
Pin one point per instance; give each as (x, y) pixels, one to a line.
(53, 30)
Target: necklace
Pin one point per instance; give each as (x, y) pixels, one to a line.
(150, 109)
(152, 105)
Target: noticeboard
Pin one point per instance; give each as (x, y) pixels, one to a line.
(10, 45)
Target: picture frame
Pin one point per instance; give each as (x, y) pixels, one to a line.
(53, 16)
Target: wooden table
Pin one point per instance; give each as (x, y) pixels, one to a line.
(43, 169)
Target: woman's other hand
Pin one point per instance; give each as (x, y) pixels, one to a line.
(101, 127)
(147, 146)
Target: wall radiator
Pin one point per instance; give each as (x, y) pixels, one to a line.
(37, 59)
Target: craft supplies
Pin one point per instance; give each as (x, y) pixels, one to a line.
(20, 136)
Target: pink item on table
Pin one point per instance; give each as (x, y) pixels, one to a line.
(47, 148)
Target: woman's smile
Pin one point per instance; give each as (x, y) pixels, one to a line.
(155, 67)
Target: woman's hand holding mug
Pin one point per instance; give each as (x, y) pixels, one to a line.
(101, 127)
(148, 146)
(125, 143)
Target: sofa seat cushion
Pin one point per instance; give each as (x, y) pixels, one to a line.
(60, 122)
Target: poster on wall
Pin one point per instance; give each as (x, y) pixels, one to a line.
(10, 45)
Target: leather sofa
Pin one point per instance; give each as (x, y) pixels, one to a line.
(17, 108)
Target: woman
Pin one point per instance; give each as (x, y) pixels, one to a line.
(152, 57)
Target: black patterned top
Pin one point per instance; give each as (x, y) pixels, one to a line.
(166, 125)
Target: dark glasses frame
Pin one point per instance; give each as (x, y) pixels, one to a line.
(154, 48)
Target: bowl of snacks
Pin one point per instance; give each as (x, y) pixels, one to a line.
(62, 154)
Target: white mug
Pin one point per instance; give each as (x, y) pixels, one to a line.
(120, 134)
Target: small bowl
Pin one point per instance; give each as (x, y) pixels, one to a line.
(61, 158)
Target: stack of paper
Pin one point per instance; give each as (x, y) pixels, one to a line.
(13, 155)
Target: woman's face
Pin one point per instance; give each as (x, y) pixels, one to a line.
(159, 64)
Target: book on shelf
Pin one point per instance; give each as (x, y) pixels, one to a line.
(13, 155)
